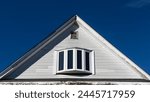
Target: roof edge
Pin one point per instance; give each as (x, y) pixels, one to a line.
(112, 48)
(39, 46)
(75, 19)
(74, 79)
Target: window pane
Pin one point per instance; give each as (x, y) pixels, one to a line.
(79, 59)
(70, 59)
(87, 61)
(61, 60)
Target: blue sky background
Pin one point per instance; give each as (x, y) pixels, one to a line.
(124, 23)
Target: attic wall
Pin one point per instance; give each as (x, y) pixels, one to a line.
(107, 64)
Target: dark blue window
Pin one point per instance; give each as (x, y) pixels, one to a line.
(87, 61)
(61, 60)
(79, 59)
(70, 59)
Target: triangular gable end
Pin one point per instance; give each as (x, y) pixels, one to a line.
(74, 38)
(113, 49)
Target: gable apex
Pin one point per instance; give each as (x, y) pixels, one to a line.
(111, 47)
(72, 24)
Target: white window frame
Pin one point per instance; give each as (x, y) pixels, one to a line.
(75, 70)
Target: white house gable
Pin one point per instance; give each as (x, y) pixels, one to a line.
(76, 51)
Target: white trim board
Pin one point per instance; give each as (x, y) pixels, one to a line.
(74, 21)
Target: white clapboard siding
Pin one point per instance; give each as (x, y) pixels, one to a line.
(107, 64)
(40, 62)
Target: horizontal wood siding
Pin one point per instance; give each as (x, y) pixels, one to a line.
(107, 63)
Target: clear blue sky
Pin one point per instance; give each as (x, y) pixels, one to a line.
(124, 23)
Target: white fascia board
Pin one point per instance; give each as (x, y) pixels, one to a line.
(111, 47)
(36, 49)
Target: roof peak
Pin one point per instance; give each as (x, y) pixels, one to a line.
(75, 17)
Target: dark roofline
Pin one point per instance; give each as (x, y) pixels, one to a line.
(35, 47)
(78, 21)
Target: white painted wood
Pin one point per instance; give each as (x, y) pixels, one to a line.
(74, 59)
(55, 63)
(109, 62)
(65, 61)
(83, 61)
(93, 62)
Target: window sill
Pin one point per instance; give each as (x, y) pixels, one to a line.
(74, 72)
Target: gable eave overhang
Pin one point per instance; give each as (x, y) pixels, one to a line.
(97, 36)
(79, 22)
(38, 47)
